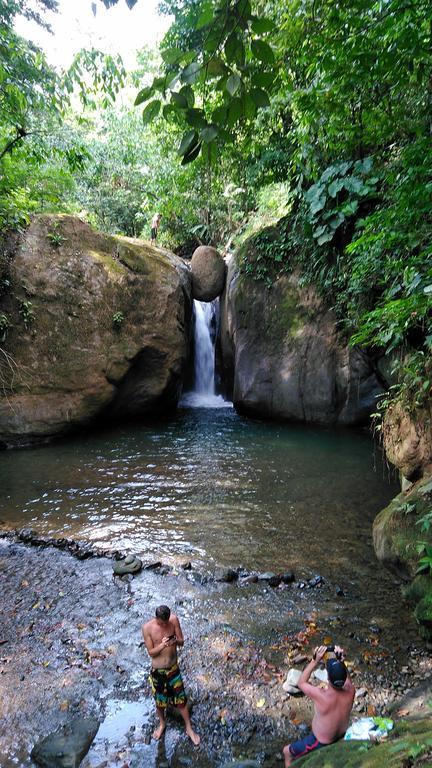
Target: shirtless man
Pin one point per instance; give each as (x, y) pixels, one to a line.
(162, 635)
(155, 227)
(332, 706)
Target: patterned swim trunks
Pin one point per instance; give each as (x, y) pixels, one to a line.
(167, 686)
(304, 746)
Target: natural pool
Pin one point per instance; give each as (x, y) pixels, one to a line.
(210, 486)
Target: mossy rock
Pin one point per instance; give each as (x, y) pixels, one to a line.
(423, 614)
(409, 742)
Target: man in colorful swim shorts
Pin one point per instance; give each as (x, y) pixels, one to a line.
(162, 635)
(332, 706)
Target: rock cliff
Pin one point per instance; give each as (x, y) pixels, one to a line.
(284, 358)
(97, 325)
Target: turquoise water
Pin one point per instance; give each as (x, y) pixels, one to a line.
(211, 487)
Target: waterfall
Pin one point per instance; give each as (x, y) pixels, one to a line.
(203, 393)
(204, 369)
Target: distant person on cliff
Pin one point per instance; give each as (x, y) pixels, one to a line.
(162, 635)
(332, 706)
(155, 227)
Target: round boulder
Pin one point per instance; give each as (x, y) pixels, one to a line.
(208, 273)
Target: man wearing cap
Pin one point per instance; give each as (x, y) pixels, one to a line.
(332, 706)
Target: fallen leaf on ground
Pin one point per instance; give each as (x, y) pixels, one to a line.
(260, 703)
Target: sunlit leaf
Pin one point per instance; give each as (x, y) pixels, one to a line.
(233, 83)
(209, 133)
(151, 111)
(143, 95)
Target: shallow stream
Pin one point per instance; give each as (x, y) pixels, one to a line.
(215, 489)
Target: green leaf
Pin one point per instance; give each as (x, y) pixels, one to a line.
(216, 67)
(220, 114)
(260, 97)
(205, 17)
(262, 25)
(196, 118)
(189, 95)
(143, 95)
(179, 100)
(248, 106)
(233, 83)
(192, 155)
(230, 47)
(189, 140)
(151, 111)
(262, 51)
(234, 112)
(191, 73)
(209, 132)
(263, 79)
(325, 238)
(172, 55)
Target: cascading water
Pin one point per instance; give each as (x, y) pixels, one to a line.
(203, 393)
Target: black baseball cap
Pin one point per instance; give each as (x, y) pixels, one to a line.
(336, 672)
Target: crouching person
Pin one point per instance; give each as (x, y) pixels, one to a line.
(332, 706)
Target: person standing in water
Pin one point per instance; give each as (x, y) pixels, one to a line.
(332, 706)
(155, 228)
(162, 635)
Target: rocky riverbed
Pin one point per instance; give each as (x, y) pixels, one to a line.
(71, 648)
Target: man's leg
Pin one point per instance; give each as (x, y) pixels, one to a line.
(161, 712)
(187, 721)
(287, 756)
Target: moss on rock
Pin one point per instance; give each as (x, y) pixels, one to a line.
(409, 744)
(396, 536)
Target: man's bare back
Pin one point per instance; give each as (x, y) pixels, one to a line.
(332, 713)
(332, 706)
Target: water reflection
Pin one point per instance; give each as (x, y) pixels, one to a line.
(211, 484)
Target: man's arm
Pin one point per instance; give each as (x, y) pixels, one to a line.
(178, 631)
(152, 649)
(311, 690)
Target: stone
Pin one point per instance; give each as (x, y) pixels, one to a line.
(227, 575)
(288, 577)
(121, 567)
(315, 582)
(320, 674)
(66, 747)
(73, 363)
(208, 273)
(290, 684)
(282, 355)
(266, 576)
(407, 440)
(274, 581)
(252, 578)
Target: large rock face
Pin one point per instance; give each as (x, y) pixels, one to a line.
(208, 273)
(283, 356)
(407, 439)
(100, 325)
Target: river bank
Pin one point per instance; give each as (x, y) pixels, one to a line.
(71, 646)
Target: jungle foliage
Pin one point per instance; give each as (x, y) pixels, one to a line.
(317, 111)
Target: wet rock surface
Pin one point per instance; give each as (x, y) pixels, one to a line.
(71, 647)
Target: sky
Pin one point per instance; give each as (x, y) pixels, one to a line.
(117, 30)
